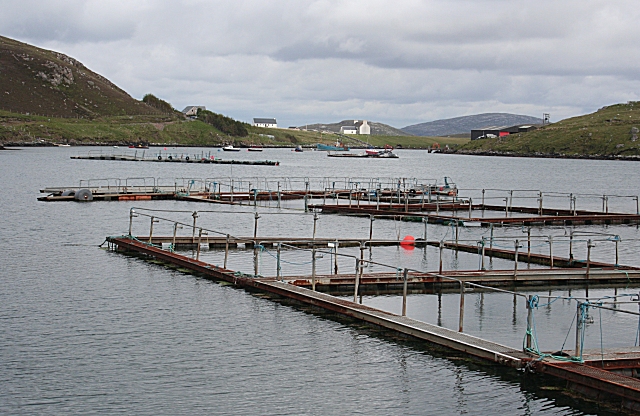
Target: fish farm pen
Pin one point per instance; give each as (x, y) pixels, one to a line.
(531, 250)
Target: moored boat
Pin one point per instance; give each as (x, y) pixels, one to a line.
(230, 148)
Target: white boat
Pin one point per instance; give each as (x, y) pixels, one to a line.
(230, 148)
(64, 145)
(255, 149)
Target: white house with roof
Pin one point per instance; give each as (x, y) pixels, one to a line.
(348, 130)
(265, 122)
(364, 128)
(192, 110)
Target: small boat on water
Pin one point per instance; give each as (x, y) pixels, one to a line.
(255, 149)
(338, 146)
(298, 149)
(138, 146)
(63, 145)
(230, 148)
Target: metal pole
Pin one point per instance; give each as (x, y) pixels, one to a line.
(483, 246)
(551, 251)
(470, 207)
(404, 293)
(461, 315)
(457, 223)
(528, 243)
(132, 213)
(279, 195)
(198, 248)
(255, 228)
(589, 246)
(193, 233)
(617, 239)
(540, 199)
(426, 221)
(315, 220)
(151, 229)
(571, 246)
(356, 282)
(371, 220)
(232, 189)
(515, 268)
(226, 252)
(506, 207)
(278, 262)
(441, 248)
(491, 240)
(173, 242)
(579, 323)
(313, 268)
(483, 199)
(335, 258)
(510, 199)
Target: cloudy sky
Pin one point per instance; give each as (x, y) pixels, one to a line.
(398, 62)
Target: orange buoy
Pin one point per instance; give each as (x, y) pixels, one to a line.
(408, 241)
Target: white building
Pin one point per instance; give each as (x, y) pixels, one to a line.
(349, 130)
(364, 128)
(265, 122)
(192, 110)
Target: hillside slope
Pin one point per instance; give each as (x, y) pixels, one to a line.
(377, 129)
(38, 81)
(464, 125)
(610, 132)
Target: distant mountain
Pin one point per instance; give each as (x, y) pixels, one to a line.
(464, 125)
(377, 129)
(39, 81)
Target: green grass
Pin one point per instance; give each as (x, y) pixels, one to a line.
(172, 130)
(607, 132)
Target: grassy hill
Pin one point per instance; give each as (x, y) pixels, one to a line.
(610, 132)
(464, 124)
(49, 98)
(39, 81)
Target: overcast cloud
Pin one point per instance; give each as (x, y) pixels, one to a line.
(397, 62)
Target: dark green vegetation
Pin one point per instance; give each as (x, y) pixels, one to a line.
(155, 102)
(611, 131)
(224, 124)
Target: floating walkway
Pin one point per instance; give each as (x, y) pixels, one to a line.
(603, 377)
(171, 159)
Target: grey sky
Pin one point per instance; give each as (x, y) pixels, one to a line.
(397, 62)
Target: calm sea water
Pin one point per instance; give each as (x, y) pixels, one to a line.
(84, 330)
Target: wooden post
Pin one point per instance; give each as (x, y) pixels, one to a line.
(461, 314)
(529, 323)
(529, 243)
(441, 248)
(483, 199)
(551, 251)
(404, 293)
(617, 238)
(470, 207)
